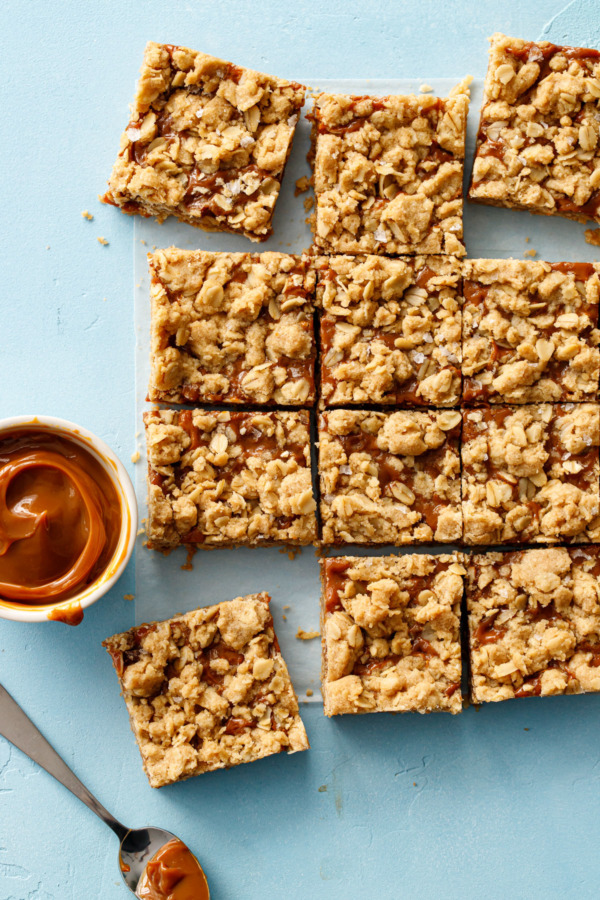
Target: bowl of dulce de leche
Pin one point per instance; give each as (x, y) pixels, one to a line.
(68, 519)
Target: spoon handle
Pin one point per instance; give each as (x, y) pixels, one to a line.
(16, 727)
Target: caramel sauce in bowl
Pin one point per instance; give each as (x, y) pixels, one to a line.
(68, 519)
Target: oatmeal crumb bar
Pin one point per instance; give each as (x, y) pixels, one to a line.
(207, 690)
(388, 173)
(207, 142)
(224, 478)
(537, 146)
(530, 331)
(390, 629)
(232, 328)
(389, 478)
(390, 330)
(530, 474)
(534, 623)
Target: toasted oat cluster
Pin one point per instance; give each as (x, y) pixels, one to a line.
(390, 634)
(390, 330)
(530, 474)
(388, 173)
(232, 328)
(225, 478)
(207, 142)
(389, 478)
(534, 623)
(530, 331)
(537, 146)
(207, 690)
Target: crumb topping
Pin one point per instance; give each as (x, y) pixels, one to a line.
(537, 146)
(388, 173)
(389, 478)
(207, 690)
(223, 478)
(390, 330)
(232, 327)
(534, 622)
(207, 142)
(530, 331)
(531, 474)
(390, 630)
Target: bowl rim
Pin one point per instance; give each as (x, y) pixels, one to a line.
(129, 518)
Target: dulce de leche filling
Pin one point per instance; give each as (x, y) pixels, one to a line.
(173, 873)
(60, 517)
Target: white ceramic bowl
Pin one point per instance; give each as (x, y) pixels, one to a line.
(69, 610)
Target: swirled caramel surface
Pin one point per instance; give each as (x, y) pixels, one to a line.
(173, 873)
(60, 517)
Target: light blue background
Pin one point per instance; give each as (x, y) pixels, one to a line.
(508, 807)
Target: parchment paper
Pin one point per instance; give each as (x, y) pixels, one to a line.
(163, 588)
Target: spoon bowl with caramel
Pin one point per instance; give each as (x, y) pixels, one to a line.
(154, 864)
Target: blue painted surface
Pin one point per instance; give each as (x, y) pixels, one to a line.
(499, 811)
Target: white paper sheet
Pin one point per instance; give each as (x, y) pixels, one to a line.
(163, 588)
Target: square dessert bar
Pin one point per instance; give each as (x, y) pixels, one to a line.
(530, 474)
(232, 328)
(216, 479)
(207, 690)
(537, 146)
(207, 142)
(390, 634)
(388, 173)
(530, 331)
(390, 330)
(534, 623)
(389, 478)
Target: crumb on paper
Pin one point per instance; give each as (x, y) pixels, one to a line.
(526, 729)
(135, 457)
(188, 565)
(87, 215)
(592, 236)
(47, 246)
(425, 89)
(303, 635)
(302, 185)
(322, 788)
(137, 434)
(142, 241)
(530, 253)
(308, 203)
(103, 241)
(292, 552)
(141, 531)
(128, 596)
(527, 239)
(104, 299)
(284, 617)
(287, 606)
(309, 692)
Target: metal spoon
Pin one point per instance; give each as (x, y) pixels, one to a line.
(138, 845)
